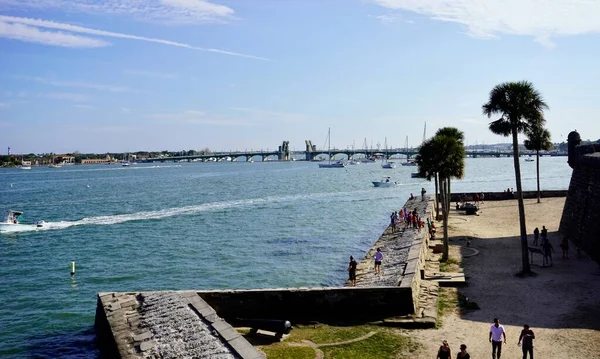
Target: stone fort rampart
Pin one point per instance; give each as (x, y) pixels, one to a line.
(580, 220)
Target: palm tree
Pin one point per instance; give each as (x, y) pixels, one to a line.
(538, 140)
(521, 108)
(443, 156)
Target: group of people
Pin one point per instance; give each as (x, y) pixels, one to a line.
(546, 246)
(411, 219)
(352, 267)
(497, 337)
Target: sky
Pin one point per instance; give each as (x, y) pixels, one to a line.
(151, 75)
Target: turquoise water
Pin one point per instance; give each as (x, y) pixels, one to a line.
(193, 226)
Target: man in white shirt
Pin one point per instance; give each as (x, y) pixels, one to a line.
(497, 333)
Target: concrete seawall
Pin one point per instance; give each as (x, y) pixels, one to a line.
(501, 196)
(127, 327)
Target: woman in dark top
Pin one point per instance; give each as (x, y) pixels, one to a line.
(445, 352)
(462, 354)
(352, 271)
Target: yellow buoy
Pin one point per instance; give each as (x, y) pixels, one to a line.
(72, 268)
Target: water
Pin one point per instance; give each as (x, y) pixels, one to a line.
(194, 226)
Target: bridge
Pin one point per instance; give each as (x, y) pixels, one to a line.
(311, 153)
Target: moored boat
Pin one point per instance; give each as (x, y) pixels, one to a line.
(386, 182)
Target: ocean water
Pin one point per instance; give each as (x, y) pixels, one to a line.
(179, 226)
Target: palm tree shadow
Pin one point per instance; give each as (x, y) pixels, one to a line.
(563, 295)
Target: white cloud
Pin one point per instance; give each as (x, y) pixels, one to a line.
(541, 19)
(166, 11)
(49, 38)
(75, 97)
(77, 84)
(150, 74)
(21, 32)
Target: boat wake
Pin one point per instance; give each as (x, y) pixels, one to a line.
(190, 210)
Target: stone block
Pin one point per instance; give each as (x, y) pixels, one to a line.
(220, 325)
(244, 349)
(206, 311)
(147, 345)
(229, 334)
(143, 336)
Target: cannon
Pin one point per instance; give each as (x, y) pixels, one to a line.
(277, 326)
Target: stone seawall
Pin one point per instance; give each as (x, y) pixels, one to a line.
(580, 220)
(501, 196)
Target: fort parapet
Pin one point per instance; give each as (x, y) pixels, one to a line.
(580, 220)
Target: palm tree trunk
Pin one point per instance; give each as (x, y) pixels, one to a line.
(437, 200)
(537, 155)
(445, 216)
(524, 250)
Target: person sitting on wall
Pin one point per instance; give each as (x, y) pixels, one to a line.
(411, 197)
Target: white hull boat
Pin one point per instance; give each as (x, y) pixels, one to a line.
(388, 165)
(337, 164)
(384, 183)
(11, 223)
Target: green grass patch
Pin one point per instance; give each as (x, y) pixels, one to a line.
(447, 302)
(451, 265)
(386, 343)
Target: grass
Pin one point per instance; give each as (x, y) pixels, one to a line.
(451, 265)
(386, 343)
(447, 303)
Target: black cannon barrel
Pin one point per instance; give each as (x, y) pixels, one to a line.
(271, 325)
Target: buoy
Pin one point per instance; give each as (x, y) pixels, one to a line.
(72, 269)
(88, 186)
(11, 185)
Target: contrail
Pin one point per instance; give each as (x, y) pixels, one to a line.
(84, 30)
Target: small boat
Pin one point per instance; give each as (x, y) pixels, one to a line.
(384, 162)
(54, 166)
(408, 163)
(384, 183)
(329, 164)
(11, 223)
(25, 165)
(355, 162)
(416, 175)
(529, 159)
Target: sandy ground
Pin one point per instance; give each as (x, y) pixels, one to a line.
(561, 303)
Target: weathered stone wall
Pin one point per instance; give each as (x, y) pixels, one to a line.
(580, 220)
(500, 196)
(304, 305)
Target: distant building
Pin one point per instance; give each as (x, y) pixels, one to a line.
(97, 161)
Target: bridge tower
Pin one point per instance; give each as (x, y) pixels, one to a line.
(284, 151)
(310, 148)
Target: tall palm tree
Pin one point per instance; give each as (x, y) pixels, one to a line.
(521, 108)
(538, 139)
(443, 156)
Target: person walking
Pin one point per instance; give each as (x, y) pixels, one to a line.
(496, 334)
(536, 236)
(378, 259)
(547, 250)
(544, 234)
(527, 338)
(565, 248)
(423, 193)
(462, 354)
(352, 271)
(444, 352)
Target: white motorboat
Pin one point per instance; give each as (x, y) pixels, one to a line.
(529, 159)
(12, 223)
(53, 165)
(408, 164)
(329, 164)
(386, 182)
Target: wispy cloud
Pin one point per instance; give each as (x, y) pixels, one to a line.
(194, 117)
(541, 19)
(22, 32)
(391, 18)
(77, 84)
(150, 74)
(166, 11)
(126, 110)
(66, 96)
(52, 38)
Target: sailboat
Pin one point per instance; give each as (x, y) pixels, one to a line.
(53, 164)
(384, 161)
(25, 165)
(329, 164)
(125, 162)
(408, 162)
(368, 157)
(354, 161)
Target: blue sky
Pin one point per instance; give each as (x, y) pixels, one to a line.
(129, 75)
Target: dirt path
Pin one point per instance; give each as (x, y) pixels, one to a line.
(561, 303)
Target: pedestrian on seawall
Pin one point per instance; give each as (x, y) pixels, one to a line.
(378, 259)
(527, 338)
(352, 271)
(444, 352)
(462, 354)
